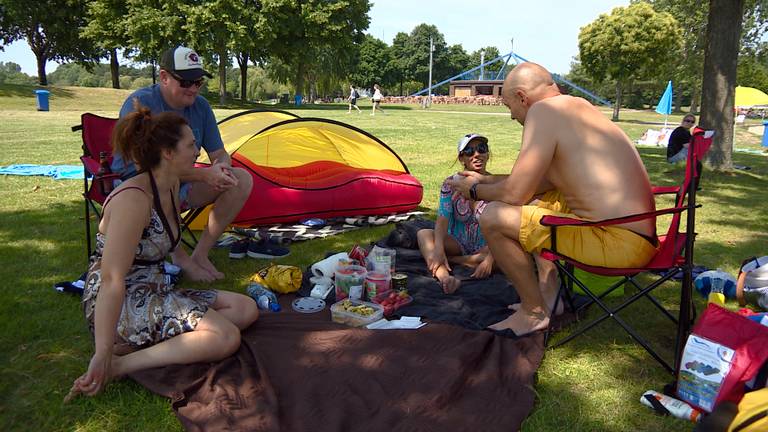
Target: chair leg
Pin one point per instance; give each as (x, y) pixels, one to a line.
(87, 230)
(654, 301)
(188, 218)
(612, 313)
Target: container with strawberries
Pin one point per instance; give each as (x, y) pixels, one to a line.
(392, 300)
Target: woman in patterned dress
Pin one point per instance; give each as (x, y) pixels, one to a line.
(456, 237)
(138, 318)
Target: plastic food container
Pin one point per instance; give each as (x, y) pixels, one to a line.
(376, 283)
(392, 301)
(355, 313)
(350, 281)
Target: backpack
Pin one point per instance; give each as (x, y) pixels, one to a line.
(355, 94)
(404, 234)
(748, 416)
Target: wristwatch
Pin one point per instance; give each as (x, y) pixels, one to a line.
(473, 191)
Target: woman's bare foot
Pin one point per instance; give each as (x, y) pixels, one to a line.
(523, 322)
(449, 283)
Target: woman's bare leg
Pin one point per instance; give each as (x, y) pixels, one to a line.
(239, 309)
(426, 239)
(214, 338)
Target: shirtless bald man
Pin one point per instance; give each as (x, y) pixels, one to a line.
(573, 162)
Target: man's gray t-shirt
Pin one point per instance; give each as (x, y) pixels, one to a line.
(199, 116)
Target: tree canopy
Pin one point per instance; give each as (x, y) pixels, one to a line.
(633, 42)
(50, 27)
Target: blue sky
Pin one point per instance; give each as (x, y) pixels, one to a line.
(544, 31)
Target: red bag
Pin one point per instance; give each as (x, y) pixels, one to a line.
(723, 352)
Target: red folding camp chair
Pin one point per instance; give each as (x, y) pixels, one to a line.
(675, 254)
(96, 134)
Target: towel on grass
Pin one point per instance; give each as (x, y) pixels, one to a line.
(58, 172)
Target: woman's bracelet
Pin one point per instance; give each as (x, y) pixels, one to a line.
(473, 191)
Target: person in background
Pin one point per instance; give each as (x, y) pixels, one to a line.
(457, 237)
(376, 99)
(353, 95)
(181, 76)
(139, 319)
(677, 149)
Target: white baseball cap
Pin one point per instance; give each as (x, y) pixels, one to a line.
(468, 138)
(184, 62)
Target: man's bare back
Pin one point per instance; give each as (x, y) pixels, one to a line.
(594, 165)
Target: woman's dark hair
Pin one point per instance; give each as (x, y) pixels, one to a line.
(142, 136)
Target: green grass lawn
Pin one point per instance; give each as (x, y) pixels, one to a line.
(591, 384)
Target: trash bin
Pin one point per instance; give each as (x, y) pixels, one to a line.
(297, 100)
(765, 134)
(42, 99)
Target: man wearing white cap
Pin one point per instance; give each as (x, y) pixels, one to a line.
(181, 76)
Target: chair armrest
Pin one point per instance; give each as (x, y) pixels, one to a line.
(566, 221)
(662, 190)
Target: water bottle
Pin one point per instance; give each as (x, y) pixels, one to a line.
(717, 293)
(675, 407)
(266, 299)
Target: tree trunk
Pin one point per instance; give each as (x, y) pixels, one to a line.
(695, 96)
(242, 61)
(617, 104)
(678, 100)
(114, 68)
(299, 80)
(41, 60)
(718, 88)
(222, 77)
(39, 46)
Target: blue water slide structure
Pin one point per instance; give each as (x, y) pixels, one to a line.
(468, 74)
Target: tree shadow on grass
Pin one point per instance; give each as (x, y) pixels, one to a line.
(25, 90)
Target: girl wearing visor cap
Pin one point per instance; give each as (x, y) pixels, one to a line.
(456, 237)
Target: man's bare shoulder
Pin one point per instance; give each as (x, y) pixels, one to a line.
(562, 104)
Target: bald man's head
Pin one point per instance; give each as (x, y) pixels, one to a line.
(529, 77)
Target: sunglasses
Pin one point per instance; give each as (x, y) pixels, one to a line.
(481, 148)
(185, 83)
(689, 121)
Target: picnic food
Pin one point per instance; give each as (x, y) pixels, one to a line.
(356, 313)
(392, 301)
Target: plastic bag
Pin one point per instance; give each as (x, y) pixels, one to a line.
(279, 278)
(752, 284)
(724, 351)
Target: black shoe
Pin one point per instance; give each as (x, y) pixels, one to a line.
(266, 249)
(238, 249)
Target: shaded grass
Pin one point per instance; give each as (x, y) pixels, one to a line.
(593, 383)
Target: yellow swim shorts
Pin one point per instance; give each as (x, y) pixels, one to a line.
(597, 246)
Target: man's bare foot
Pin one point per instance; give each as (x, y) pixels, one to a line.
(550, 304)
(192, 271)
(523, 322)
(204, 263)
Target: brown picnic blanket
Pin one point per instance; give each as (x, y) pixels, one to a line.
(303, 372)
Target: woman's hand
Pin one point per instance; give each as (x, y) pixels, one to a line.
(437, 260)
(484, 269)
(95, 379)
